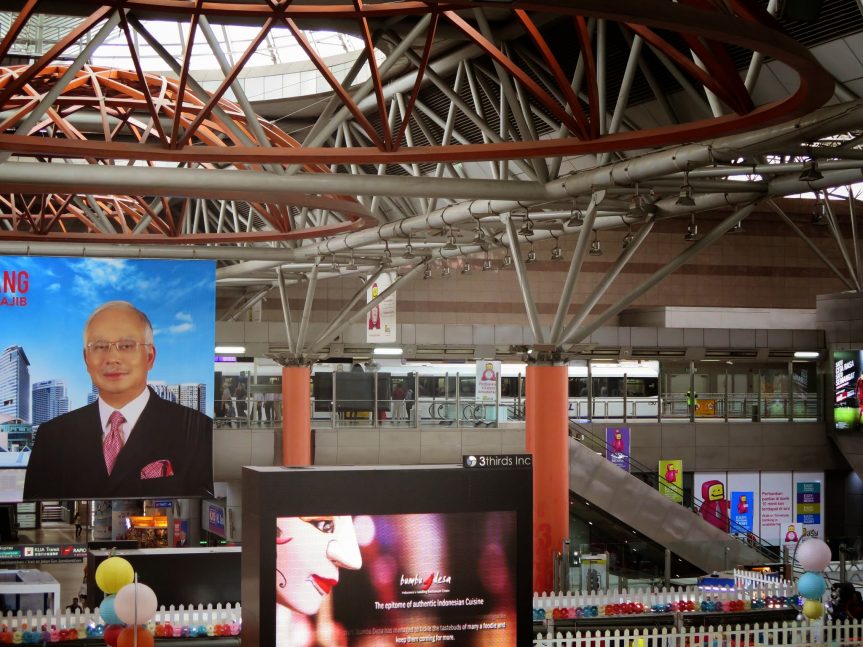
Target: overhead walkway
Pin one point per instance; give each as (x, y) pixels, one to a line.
(640, 506)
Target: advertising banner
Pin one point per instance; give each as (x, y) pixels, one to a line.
(381, 319)
(776, 506)
(617, 446)
(742, 512)
(711, 491)
(487, 380)
(214, 518)
(121, 345)
(809, 503)
(848, 386)
(671, 479)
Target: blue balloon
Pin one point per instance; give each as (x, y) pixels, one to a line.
(811, 586)
(106, 610)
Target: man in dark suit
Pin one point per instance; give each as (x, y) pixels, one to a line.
(130, 443)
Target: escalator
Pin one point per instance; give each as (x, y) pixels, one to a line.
(639, 505)
(851, 446)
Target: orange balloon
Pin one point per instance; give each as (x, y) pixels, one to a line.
(127, 637)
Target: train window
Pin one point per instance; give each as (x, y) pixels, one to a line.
(467, 387)
(607, 387)
(642, 387)
(578, 387)
(509, 387)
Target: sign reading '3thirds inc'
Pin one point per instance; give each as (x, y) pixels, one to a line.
(496, 460)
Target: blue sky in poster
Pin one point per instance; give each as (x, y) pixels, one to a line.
(177, 296)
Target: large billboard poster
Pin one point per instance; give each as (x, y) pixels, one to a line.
(848, 389)
(776, 507)
(617, 446)
(396, 579)
(809, 503)
(121, 409)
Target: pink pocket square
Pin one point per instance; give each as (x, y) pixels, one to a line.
(157, 469)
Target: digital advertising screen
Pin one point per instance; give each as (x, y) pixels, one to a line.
(107, 376)
(848, 389)
(444, 557)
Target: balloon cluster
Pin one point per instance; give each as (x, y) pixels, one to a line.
(128, 605)
(814, 556)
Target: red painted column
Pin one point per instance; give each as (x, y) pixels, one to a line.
(296, 415)
(547, 407)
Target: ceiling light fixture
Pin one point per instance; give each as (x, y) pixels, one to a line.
(595, 246)
(691, 230)
(531, 255)
(684, 199)
(387, 351)
(450, 243)
(426, 273)
(627, 240)
(526, 228)
(818, 211)
(806, 354)
(351, 267)
(810, 172)
(507, 260)
(486, 264)
(444, 273)
(409, 249)
(230, 350)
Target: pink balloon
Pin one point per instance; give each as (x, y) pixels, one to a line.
(813, 554)
(135, 604)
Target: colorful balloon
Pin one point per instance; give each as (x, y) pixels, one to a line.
(813, 554)
(113, 574)
(135, 604)
(811, 586)
(813, 609)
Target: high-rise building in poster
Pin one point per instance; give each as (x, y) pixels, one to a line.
(15, 383)
(50, 399)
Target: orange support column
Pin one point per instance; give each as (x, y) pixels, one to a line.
(547, 410)
(296, 415)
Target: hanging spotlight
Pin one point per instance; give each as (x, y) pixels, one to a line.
(685, 197)
(351, 267)
(450, 242)
(335, 264)
(409, 249)
(444, 273)
(526, 228)
(636, 208)
(486, 265)
(478, 237)
(818, 211)
(466, 269)
(531, 255)
(810, 172)
(507, 260)
(737, 228)
(387, 258)
(595, 246)
(627, 240)
(427, 273)
(575, 219)
(691, 230)
(556, 253)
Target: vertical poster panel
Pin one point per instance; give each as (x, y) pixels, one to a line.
(710, 488)
(77, 354)
(487, 380)
(848, 390)
(745, 489)
(809, 504)
(671, 479)
(617, 446)
(381, 319)
(775, 506)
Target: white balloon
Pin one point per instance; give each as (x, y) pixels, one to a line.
(135, 604)
(813, 554)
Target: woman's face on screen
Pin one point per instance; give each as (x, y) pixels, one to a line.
(309, 553)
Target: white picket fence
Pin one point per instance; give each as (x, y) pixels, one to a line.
(182, 616)
(763, 590)
(788, 634)
(754, 579)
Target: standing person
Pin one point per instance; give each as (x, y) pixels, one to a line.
(227, 403)
(409, 401)
(130, 443)
(75, 606)
(78, 527)
(240, 395)
(399, 402)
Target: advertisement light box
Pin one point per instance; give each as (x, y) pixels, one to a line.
(392, 555)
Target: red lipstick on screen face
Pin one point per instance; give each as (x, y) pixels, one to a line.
(324, 584)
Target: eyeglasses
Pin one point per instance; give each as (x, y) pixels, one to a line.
(123, 346)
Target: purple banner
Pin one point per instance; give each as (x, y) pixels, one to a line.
(617, 446)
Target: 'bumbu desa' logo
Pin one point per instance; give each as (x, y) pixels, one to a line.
(419, 585)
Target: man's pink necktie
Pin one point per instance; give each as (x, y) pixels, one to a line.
(114, 440)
